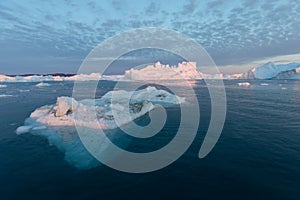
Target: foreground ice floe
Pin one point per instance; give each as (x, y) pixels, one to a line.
(57, 122)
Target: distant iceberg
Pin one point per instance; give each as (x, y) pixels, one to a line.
(182, 71)
(5, 95)
(57, 122)
(40, 78)
(42, 84)
(273, 71)
(244, 84)
(158, 71)
(264, 84)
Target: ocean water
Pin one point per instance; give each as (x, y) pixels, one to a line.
(256, 157)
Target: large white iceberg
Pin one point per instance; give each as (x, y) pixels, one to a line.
(57, 122)
(273, 71)
(181, 71)
(158, 71)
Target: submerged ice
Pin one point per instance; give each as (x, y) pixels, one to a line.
(58, 122)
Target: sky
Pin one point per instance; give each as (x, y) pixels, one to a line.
(39, 36)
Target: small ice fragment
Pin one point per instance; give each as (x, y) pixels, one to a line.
(5, 95)
(264, 84)
(244, 84)
(41, 84)
(23, 129)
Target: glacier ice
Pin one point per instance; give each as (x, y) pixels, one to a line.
(58, 122)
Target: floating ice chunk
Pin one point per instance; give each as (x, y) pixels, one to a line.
(68, 111)
(3, 86)
(5, 95)
(41, 84)
(24, 90)
(264, 84)
(244, 84)
(23, 129)
(58, 122)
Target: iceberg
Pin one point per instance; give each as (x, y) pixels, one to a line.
(67, 111)
(183, 71)
(41, 78)
(58, 122)
(264, 84)
(4, 78)
(244, 84)
(41, 84)
(158, 71)
(273, 71)
(5, 95)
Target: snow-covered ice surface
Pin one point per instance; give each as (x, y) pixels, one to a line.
(58, 122)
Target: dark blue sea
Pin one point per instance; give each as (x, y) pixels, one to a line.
(256, 157)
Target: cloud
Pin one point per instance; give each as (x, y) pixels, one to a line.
(233, 32)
